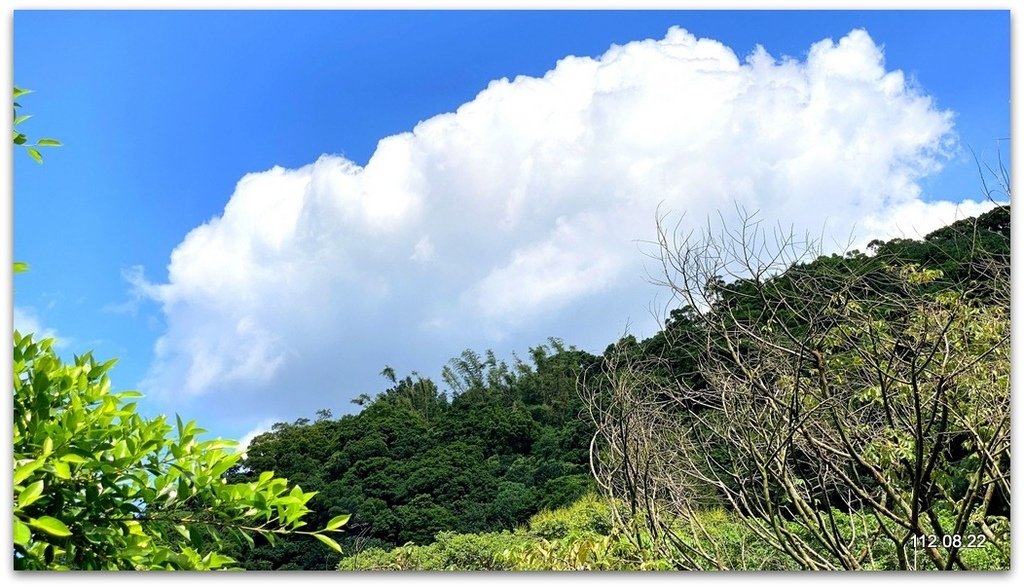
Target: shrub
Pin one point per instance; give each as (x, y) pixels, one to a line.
(97, 486)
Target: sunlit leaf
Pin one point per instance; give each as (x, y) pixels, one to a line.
(30, 494)
(50, 525)
(337, 522)
(328, 542)
(23, 471)
(61, 470)
(183, 531)
(22, 534)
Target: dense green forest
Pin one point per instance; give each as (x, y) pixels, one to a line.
(507, 443)
(473, 467)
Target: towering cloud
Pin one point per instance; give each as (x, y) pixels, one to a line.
(521, 213)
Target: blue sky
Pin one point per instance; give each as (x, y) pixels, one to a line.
(514, 217)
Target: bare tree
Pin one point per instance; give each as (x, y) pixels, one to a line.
(854, 410)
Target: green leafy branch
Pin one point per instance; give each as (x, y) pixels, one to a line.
(21, 139)
(97, 486)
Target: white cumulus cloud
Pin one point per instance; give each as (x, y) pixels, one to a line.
(26, 320)
(519, 215)
(263, 426)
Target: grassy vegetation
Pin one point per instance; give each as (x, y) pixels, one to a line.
(583, 536)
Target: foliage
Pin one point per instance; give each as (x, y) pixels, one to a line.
(32, 149)
(503, 444)
(581, 536)
(97, 486)
(845, 404)
(20, 139)
(550, 532)
(589, 514)
(449, 551)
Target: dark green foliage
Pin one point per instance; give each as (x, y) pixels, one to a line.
(965, 252)
(415, 462)
(962, 251)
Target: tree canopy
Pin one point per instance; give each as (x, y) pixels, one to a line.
(503, 443)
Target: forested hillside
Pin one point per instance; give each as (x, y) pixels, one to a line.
(853, 410)
(506, 442)
(882, 417)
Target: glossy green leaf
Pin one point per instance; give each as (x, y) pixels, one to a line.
(49, 143)
(338, 522)
(23, 471)
(34, 153)
(74, 457)
(30, 494)
(328, 542)
(61, 470)
(183, 531)
(22, 534)
(216, 560)
(50, 525)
